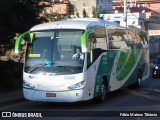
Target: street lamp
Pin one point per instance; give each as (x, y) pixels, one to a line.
(125, 12)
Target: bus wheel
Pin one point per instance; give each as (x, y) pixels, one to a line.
(138, 83)
(102, 93)
(139, 80)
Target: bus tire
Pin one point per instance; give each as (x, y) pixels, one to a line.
(102, 92)
(139, 80)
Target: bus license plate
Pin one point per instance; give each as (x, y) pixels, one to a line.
(50, 94)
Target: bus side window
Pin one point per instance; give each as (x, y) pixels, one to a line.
(120, 40)
(96, 52)
(93, 55)
(100, 43)
(100, 37)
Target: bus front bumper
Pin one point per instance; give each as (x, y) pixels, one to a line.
(58, 96)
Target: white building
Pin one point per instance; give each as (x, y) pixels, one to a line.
(105, 4)
(78, 6)
(134, 19)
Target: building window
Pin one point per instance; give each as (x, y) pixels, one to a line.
(58, 9)
(140, 5)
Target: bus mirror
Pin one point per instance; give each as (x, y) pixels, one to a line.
(32, 36)
(18, 45)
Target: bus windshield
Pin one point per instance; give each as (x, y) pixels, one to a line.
(56, 52)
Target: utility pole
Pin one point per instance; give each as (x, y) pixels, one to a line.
(125, 12)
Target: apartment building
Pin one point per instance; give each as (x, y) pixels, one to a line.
(56, 8)
(149, 7)
(78, 7)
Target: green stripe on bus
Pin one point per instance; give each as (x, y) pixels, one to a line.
(83, 41)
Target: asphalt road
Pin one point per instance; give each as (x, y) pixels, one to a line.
(143, 101)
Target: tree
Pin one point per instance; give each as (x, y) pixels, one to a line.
(18, 16)
(96, 12)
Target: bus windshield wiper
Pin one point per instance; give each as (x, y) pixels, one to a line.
(70, 69)
(39, 65)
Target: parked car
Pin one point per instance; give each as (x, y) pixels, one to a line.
(156, 68)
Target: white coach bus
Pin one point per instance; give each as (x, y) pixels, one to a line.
(108, 58)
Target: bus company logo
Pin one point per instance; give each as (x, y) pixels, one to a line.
(6, 114)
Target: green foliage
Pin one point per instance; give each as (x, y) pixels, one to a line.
(94, 12)
(97, 11)
(18, 16)
(143, 36)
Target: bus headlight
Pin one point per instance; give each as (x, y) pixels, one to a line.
(28, 85)
(77, 86)
(156, 67)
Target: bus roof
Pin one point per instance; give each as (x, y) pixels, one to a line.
(76, 23)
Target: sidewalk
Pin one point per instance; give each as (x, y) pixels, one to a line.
(11, 96)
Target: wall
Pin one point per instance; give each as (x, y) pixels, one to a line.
(11, 75)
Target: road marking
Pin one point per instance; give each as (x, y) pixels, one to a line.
(154, 90)
(140, 93)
